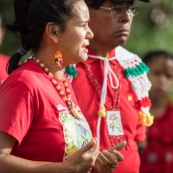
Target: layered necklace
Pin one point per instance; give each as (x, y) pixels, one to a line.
(66, 96)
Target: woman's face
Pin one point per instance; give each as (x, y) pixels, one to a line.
(73, 41)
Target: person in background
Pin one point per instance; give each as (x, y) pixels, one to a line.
(112, 85)
(3, 58)
(158, 156)
(42, 129)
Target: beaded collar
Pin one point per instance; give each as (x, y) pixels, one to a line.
(136, 73)
(66, 96)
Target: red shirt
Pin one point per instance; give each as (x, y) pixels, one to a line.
(3, 63)
(158, 156)
(33, 112)
(88, 96)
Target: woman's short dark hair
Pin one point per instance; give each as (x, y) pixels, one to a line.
(155, 54)
(31, 17)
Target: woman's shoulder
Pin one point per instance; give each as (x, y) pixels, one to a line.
(27, 75)
(28, 71)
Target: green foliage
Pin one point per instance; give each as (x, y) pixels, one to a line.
(146, 35)
(11, 41)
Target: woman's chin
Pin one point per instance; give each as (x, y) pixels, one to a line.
(83, 58)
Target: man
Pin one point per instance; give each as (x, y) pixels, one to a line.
(112, 85)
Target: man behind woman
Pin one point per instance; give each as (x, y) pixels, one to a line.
(112, 85)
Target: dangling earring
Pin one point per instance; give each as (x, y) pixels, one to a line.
(58, 59)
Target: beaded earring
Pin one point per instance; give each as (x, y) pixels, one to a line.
(58, 59)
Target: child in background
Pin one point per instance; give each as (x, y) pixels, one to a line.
(158, 156)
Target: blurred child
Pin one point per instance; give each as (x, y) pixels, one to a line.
(158, 156)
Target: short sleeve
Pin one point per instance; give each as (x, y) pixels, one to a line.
(16, 109)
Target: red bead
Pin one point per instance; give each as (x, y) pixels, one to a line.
(65, 96)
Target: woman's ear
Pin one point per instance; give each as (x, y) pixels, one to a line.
(53, 31)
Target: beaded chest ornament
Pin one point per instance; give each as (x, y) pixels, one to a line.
(66, 96)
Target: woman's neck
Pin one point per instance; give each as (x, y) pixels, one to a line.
(48, 60)
(59, 74)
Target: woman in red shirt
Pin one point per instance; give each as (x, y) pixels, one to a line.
(42, 128)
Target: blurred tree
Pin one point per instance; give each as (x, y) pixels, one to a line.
(151, 30)
(11, 41)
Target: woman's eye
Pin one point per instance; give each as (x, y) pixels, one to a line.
(85, 25)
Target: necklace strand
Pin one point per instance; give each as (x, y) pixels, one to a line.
(66, 96)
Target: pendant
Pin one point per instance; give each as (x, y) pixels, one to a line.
(74, 112)
(114, 123)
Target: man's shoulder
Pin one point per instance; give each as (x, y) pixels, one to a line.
(123, 53)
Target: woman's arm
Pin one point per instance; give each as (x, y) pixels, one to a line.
(80, 162)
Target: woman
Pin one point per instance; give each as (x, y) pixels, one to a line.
(44, 130)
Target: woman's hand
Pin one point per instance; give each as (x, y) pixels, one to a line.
(108, 159)
(84, 159)
(81, 161)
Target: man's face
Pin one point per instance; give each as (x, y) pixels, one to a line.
(109, 31)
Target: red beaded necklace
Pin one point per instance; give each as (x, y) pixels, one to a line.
(66, 96)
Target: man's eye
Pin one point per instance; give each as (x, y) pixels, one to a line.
(117, 10)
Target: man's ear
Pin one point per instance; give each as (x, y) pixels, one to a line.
(53, 31)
